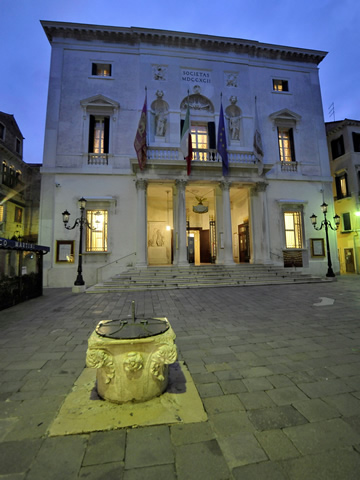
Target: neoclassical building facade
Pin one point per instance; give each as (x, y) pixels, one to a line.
(255, 211)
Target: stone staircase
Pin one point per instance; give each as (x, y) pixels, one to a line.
(173, 277)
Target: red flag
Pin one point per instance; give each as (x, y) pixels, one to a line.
(140, 138)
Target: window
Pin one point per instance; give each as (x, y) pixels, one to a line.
(342, 190)
(356, 141)
(293, 229)
(101, 69)
(286, 144)
(1, 213)
(199, 137)
(337, 147)
(346, 221)
(18, 146)
(280, 85)
(96, 239)
(2, 131)
(99, 134)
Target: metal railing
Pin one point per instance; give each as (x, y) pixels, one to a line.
(100, 270)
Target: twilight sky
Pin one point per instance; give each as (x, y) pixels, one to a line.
(328, 25)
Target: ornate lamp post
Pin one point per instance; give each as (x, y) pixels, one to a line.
(78, 222)
(325, 223)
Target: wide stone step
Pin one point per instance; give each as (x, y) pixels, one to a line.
(166, 278)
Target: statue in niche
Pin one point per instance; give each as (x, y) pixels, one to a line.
(160, 122)
(233, 114)
(160, 109)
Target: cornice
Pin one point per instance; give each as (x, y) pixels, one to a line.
(333, 127)
(137, 35)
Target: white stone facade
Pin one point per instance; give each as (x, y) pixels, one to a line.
(244, 221)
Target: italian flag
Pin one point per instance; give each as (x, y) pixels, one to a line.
(186, 144)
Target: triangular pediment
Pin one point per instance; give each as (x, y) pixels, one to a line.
(99, 101)
(285, 116)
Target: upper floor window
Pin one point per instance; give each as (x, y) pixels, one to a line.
(97, 238)
(341, 185)
(286, 144)
(337, 147)
(101, 69)
(356, 141)
(280, 85)
(2, 131)
(18, 146)
(293, 229)
(99, 134)
(1, 213)
(346, 222)
(199, 137)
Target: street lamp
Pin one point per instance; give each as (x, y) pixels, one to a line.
(325, 223)
(78, 222)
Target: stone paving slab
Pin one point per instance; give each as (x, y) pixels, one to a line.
(83, 411)
(276, 373)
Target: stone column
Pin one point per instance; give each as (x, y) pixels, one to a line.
(227, 238)
(260, 224)
(141, 223)
(181, 223)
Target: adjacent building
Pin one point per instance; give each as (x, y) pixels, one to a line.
(19, 185)
(344, 150)
(259, 164)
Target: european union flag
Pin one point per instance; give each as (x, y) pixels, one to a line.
(221, 143)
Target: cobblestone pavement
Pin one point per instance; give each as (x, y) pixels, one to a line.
(277, 368)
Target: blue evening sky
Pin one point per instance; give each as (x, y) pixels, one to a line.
(328, 25)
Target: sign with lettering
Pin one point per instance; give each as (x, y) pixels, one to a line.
(196, 77)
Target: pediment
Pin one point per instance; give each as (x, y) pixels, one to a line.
(99, 101)
(285, 117)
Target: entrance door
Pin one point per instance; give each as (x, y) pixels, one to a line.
(349, 260)
(205, 255)
(244, 251)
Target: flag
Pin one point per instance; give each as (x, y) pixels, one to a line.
(186, 143)
(257, 136)
(221, 143)
(140, 138)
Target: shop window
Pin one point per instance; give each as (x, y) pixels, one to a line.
(97, 237)
(337, 147)
(286, 144)
(293, 229)
(280, 85)
(101, 70)
(341, 184)
(356, 141)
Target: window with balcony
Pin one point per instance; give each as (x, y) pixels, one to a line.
(280, 85)
(97, 237)
(293, 229)
(99, 132)
(337, 147)
(286, 144)
(98, 111)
